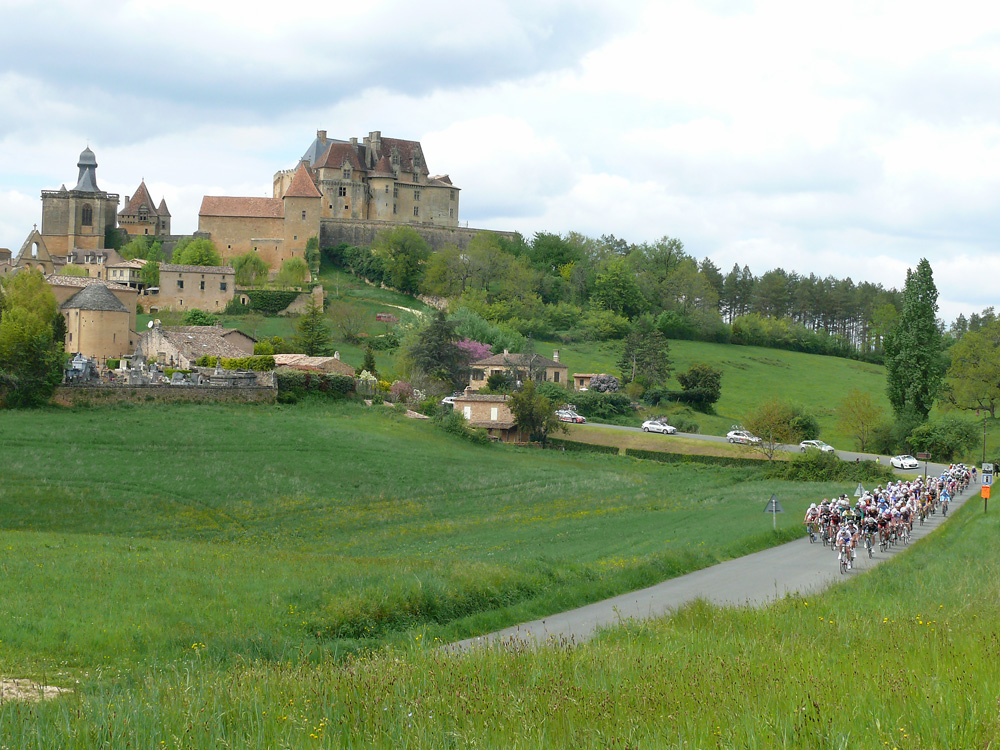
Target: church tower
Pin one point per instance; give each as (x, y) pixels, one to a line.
(77, 219)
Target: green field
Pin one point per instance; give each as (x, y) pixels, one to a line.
(130, 534)
(278, 576)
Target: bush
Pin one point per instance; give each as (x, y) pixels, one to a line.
(401, 391)
(112, 364)
(554, 392)
(256, 363)
(236, 307)
(456, 424)
(385, 343)
(198, 317)
(945, 438)
(299, 383)
(685, 458)
(603, 325)
(602, 405)
(270, 301)
(819, 466)
(604, 383)
(572, 445)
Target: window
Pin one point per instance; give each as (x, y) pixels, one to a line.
(493, 414)
(451, 213)
(222, 286)
(347, 174)
(416, 210)
(394, 208)
(395, 191)
(303, 215)
(203, 286)
(180, 283)
(416, 195)
(295, 236)
(468, 412)
(87, 216)
(555, 376)
(387, 189)
(452, 194)
(342, 191)
(477, 374)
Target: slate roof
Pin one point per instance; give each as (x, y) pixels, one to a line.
(407, 150)
(162, 209)
(174, 268)
(257, 208)
(498, 360)
(302, 185)
(94, 297)
(337, 153)
(383, 168)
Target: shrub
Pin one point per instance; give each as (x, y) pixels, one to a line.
(112, 364)
(945, 438)
(384, 343)
(572, 445)
(602, 405)
(604, 383)
(819, 466)
(270, 301)
(553, 392)
(456, 424)
(401, 391)
(256, 363)
(236, 307)
(198, 317)
(299, 383)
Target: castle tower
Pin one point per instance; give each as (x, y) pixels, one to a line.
(78, 218)
(303, 204)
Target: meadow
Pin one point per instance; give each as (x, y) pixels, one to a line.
(901, 658)
(318, 530)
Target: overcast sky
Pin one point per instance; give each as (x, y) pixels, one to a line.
(847, 139)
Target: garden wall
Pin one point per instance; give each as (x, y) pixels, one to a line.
(81, 395)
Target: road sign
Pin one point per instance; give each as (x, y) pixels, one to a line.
(859, 491)
(985, 492)
(774, 508)
(987, 480)
(924, 456)
(987, 468)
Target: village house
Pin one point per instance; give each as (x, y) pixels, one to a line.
(128, 272)
(97, 323)
(64, 287)
(545, 369)
(581, 380)
(182, 346)
(182, 288)
(492, 413)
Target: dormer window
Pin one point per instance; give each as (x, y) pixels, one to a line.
(347, 174)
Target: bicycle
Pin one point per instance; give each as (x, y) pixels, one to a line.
(844, 559)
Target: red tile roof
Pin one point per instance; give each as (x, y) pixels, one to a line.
(407, 150)
(337, 154)
(141, 196)
(257, 208)
(383, 168)
(302, 185)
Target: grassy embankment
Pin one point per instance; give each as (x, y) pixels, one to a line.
(900, 658)
(130, 534)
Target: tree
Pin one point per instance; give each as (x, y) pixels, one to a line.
(312, 334)
(448, 272)
(149, 274)
(859, 417)
(701, 385)
(534, 413)
(913, 361)
(437, 353)
(973, 380)
(349, 319)
(197, 317)
(196, 252)
(368, 363)
(403, 253)
(773, 422)
(294, 272)
(604, 384)
(645, 358)
(71, 269)
(615, 289)
(31, 350)
(251, 270)
(312, 255)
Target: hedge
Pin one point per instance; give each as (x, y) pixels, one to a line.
(269, 301)
(572, 445)
(297, 383)
(257, 362)
(687, 458)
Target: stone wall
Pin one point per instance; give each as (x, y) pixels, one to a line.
(362, 233)
(85, 395)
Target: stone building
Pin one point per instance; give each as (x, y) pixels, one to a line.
(182, 346)
(6, 262)
(492, 414)
(141, 216)
(549, 370)
(64, 287)
(128, 272)
(78, 218)
(380, 179)
(208, 288)
(98, 324)
(277, 229)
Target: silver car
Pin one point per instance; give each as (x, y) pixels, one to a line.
(656, 425)
(816, 445)
(742, 436)
(904, 462)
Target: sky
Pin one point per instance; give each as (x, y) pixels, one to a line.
(847, 139)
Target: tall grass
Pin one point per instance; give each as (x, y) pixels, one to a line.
(903, 657)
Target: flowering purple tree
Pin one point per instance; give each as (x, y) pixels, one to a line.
(401, 391)
(474, 349)
(604, 383)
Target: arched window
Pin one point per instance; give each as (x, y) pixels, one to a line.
(34, 249)
(87, 216)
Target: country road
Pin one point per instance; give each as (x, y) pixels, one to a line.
(796, 567)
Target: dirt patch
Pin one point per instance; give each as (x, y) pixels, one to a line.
(26, 690)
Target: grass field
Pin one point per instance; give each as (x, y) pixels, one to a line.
(129, 534)
(598, 435)
(186, 603)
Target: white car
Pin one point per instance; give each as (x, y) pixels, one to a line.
(743, 437)
(817, 445)
(656, 425)
(904, 462)
(566, 415)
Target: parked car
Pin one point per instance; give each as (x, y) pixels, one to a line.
(904, 462)
(658, 425)
(816, 445)
(448, 401)
(742, 436)
(565, 415)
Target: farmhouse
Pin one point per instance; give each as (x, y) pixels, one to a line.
(521, 365)
(492, 414)
(182, 346)
(208, 288)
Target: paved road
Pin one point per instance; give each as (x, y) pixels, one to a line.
(845, 455)
(796, 567)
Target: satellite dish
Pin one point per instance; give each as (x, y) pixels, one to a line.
(149, 324)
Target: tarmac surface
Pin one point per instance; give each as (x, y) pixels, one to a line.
(798, 567)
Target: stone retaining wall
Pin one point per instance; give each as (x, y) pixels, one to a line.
(362, 233)
(81, 395)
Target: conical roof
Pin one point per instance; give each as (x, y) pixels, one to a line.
(94, 297)
(302, 185)
(162, 208)
(135, 202)
(87, 181)
(383, 168)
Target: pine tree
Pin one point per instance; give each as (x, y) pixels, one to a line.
(312, 332)
(913, 349)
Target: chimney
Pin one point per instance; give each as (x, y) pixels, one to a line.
(354, 141)
(336, 355)
(555, 355)
(505, 352)
(126, 200)
(321, 135)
